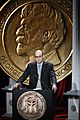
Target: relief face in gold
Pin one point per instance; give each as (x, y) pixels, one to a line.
(41, 27)
(29, 26)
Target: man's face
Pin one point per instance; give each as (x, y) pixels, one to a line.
(38, 57)
(28, 37)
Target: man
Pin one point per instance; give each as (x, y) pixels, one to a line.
(42, 75)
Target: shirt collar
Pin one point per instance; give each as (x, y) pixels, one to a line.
(40, 63)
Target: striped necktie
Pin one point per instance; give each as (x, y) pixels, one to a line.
(39, 70)
(39, 76)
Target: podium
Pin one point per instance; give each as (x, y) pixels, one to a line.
(48, 96)
(8, 91)
(73, 104)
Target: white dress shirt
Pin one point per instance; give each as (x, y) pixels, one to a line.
(39, 68)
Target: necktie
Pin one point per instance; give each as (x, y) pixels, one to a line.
(39, 70)
(39, 75)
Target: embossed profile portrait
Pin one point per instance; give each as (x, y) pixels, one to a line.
(41, 27)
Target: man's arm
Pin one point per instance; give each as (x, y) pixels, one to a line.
(53, 78)
(24, 75)
(52, 74)
(22, 78)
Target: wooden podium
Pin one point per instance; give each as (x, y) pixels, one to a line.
(47, 94)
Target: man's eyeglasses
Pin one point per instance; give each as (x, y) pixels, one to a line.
(38, 56)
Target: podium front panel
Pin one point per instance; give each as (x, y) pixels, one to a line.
(48, 96)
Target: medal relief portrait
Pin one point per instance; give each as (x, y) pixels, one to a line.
(41, 27)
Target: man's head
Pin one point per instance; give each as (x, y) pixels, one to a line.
(38, 56)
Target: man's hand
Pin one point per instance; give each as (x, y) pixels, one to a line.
(16, 85)
(54, 87)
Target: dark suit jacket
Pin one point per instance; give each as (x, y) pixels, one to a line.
(47, 75)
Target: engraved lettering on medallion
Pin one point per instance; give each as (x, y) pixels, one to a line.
(64, 70)
(8, 66)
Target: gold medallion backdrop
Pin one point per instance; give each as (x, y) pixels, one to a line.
(26, 26)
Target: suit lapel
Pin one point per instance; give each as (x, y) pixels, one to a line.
(35, 69)
(43, 69)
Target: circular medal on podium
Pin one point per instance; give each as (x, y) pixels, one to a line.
(31, 105)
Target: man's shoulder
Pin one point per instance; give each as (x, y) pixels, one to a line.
(48, 63)
(32, 63)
